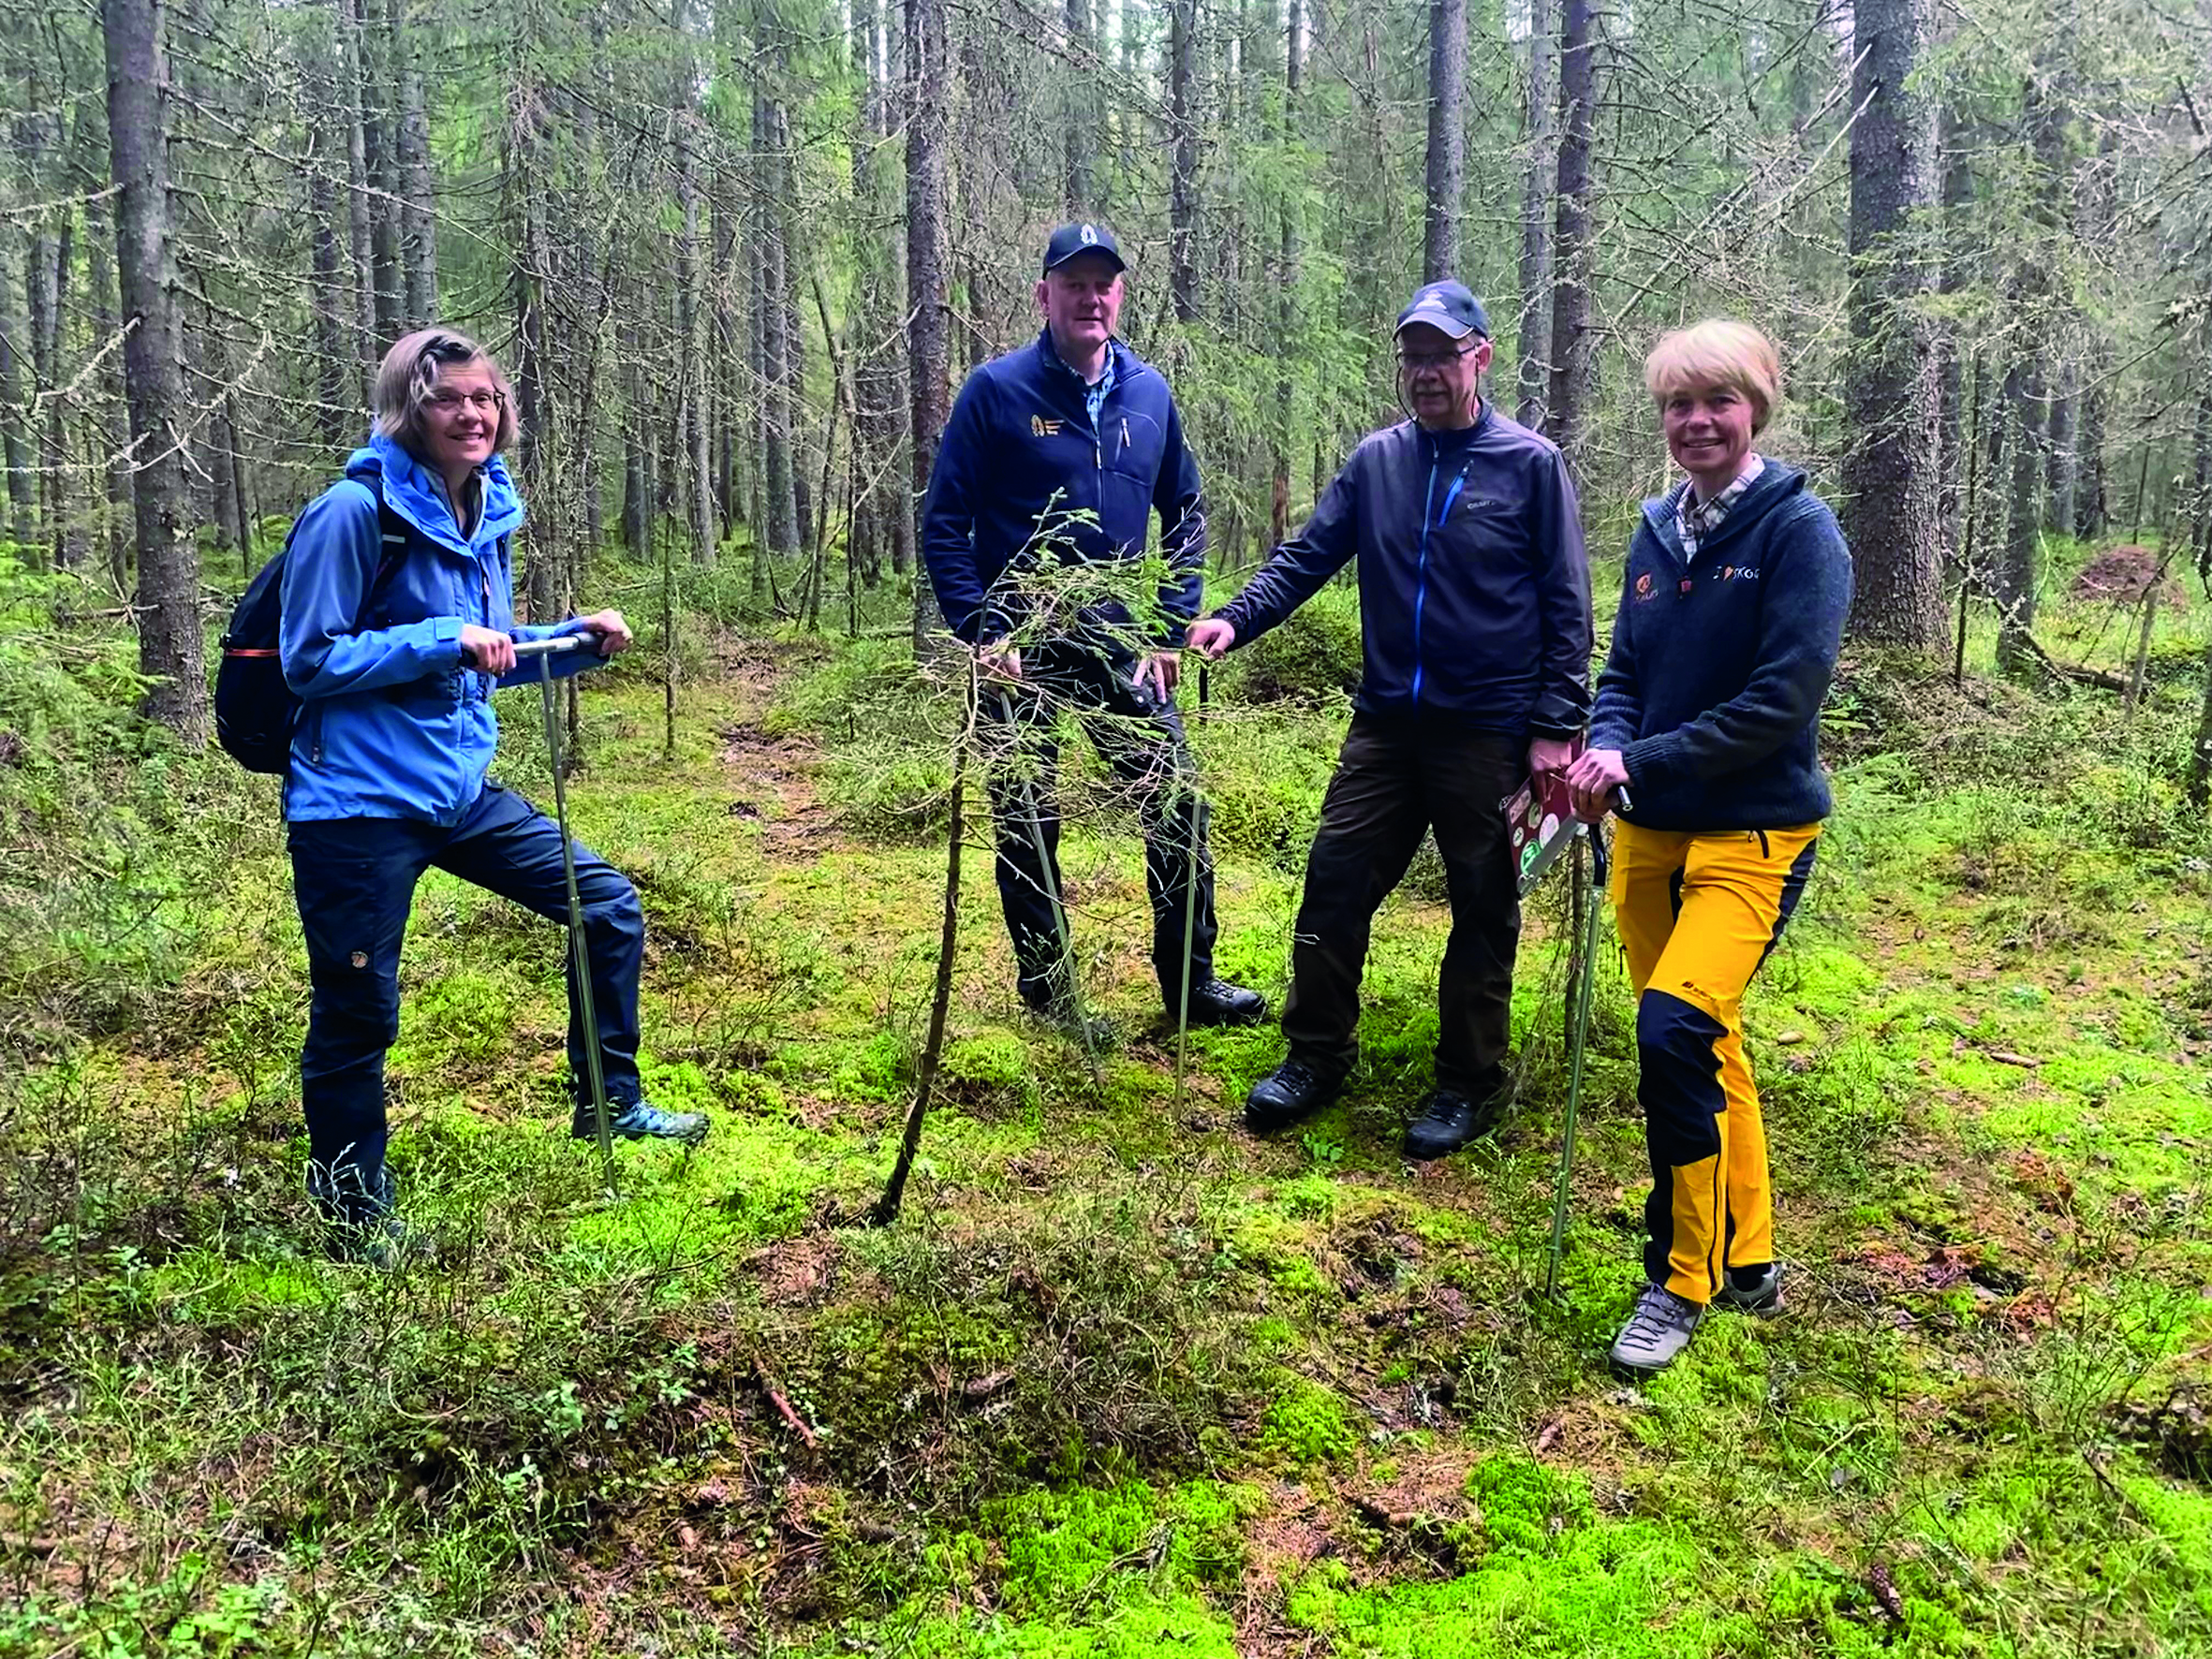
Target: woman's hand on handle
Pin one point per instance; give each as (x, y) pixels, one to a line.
(613, 632)
(1592, 780)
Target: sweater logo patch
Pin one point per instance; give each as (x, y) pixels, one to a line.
(1041, 427)
(1643, 586)
(1739, 573)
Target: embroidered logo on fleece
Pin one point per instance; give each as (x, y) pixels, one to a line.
(1041, 427)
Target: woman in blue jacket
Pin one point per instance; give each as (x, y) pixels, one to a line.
(1705, 736)
(398, 623)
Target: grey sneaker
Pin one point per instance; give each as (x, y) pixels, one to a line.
(1757, 1291)
(1657, 1331)
(636, 1121)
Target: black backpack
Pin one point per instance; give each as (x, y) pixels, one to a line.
(254, 709)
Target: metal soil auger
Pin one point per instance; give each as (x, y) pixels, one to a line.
(1577, 1046)
(579, 949)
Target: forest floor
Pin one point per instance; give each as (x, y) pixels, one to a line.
(1122, 1380)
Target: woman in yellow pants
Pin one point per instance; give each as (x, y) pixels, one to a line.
(1704, 739)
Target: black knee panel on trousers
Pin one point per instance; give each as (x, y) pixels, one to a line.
(1680, 1084)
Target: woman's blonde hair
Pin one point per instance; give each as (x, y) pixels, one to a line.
(1718, 351)
(411, 368)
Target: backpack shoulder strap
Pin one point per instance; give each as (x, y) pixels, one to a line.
(394, 534)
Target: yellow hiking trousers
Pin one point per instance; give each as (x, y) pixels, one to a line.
(1698, 913)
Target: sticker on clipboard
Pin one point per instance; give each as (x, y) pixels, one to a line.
(1541, 825)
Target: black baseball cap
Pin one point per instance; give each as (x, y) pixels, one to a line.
(1072, 240)
(1446, 306)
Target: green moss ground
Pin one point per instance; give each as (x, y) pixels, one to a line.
(1122, 1381)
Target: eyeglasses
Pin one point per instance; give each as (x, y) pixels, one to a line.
(452, 402)
(1415, 361)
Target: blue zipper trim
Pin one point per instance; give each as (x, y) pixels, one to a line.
(1421, 572)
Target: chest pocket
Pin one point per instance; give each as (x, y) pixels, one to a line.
(1131, 446)
(1489, 528)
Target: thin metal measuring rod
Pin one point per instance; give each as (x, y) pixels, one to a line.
(1052, 892)
(578, 949)
(1198, 831)
(1576, 1048)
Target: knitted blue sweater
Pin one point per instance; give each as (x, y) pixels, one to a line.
(1713, 689)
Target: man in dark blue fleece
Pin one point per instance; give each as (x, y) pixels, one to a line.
(1475, 614)
(1064, 448)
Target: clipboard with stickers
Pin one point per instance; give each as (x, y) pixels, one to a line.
(1541, 825)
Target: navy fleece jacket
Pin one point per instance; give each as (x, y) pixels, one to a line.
(1712, 692)
(1474, 590)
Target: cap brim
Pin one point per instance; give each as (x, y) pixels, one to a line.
(1119, 263)
(1437, 320)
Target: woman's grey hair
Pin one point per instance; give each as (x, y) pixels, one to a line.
(412, 367)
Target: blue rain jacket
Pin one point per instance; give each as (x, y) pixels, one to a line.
(391, 724)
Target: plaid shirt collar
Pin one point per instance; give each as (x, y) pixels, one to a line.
(1695, 520)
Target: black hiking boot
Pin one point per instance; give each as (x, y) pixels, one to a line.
(1447, 1120)
(635, 1121)
(1757, 1291)
(1294, 1090)
(1216, 1001)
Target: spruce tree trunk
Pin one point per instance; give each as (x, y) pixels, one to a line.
(1447, 139)
(2016, 569)
(1080, 123)
(381, 141)
(1571, 345)
(1892, 384)
(353, 91)
(169, 642)
(1287, 280)
(1958, 196)
(332, 358)
(113, 429)
(418, 221)
(15, 370)
(927, 341)
(1182, 166)
(1532, 337)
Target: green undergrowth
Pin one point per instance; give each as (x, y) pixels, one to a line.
(1121, 1381)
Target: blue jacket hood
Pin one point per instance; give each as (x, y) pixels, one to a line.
(413, 492)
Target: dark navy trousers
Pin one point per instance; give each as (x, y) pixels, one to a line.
(354, 879)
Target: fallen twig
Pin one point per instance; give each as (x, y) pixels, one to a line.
(782, 1406)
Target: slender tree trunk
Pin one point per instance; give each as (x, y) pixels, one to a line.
(169, 642)
(2017, 573)
(1890, 474)
(332, 357)
(927, 332)
(1183, 168)
(16, 378)
(1447, 139)
(780, 529)
(532, 393)
(381, 139)
(1958, 196)
(113, 429)
(1287, 277)
(692, 312)
(2064, 462)
(353, 93)
(1532, 338)
(418, 221)
(1573, 347)
(1080, 127)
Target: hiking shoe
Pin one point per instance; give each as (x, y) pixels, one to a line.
(1447, 1121)
(633, 1119)
(1757, 1291)
(1291, 1090)
(1657, 1331)
(1216, 1001)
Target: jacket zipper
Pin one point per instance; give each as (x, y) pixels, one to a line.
(1421, 578)
(1428, 501)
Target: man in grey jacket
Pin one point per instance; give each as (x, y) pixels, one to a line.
(1475, 616)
